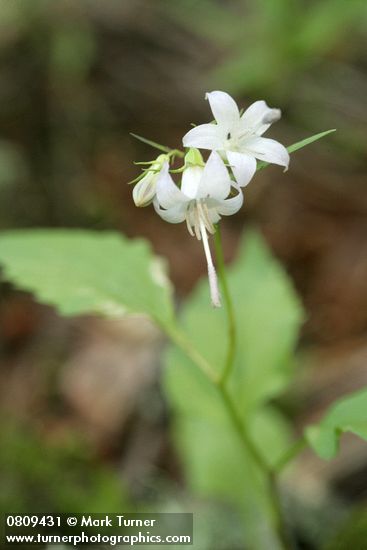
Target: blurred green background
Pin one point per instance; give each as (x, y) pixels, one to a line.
(84, 425)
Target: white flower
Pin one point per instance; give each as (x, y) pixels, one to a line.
(144, 190)
(239, 136)
(201, 201)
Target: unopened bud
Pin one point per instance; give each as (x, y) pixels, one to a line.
(144, 190)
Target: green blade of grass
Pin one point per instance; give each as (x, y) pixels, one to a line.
(299, 145)
(152, 143)
(307, 141)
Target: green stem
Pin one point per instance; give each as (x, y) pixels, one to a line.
(249, 447)
(176, 153)
(290, 454)
(240, 428)
(220, 383)
(281, 525)
(181, 341)
(231, 320)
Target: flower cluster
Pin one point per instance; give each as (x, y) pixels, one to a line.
(212, 189)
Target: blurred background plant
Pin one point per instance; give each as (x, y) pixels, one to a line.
(75, 79)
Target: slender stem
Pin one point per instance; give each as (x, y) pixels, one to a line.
(248, 445)
(181, 341)
(220, 382)
(232, 334)
(176, 153)
(250, 448)
(289, 454)
(281, 525)
(241, 430)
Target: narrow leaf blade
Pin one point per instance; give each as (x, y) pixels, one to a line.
(151, 143)
(299, 145)
(308, 141)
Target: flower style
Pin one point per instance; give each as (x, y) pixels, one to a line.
(201, 201)
(239, 136)
(144, 191)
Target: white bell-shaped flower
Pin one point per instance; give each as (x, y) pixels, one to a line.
(239, 136)
(203, 198)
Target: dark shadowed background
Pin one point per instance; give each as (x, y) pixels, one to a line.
(84, 424)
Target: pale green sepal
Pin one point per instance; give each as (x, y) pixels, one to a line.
(193, 158)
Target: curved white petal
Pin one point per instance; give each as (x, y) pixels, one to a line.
(243, 167)
(224, 109)
(267, 149)
(213, 215)
(215, 181)
(175, 214)
(258, 117)
(205, 136)
(190, 180)
(168, 194)
(230, 206)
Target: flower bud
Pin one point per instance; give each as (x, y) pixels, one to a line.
(144, 190)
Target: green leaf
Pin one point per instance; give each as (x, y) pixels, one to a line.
(348, 414)
(308, 141)
(218, 467)
(268, 314)
(82, 272)
(216, 464)
(299, 145)
(151, 143)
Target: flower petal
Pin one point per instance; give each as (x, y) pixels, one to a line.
(175, 214)
(190, 180)
(243, 167)
(168, 194)
(230, 206)
(258, 117)
(205, 136)
(267, 149)
(224, 109)
(214, 217)
(215, 182)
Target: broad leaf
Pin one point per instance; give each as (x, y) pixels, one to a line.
(348, 414)
(215, 462)
(218, 467)
(268, 314)
(82, 272)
